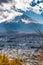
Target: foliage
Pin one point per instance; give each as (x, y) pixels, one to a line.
(4, 60)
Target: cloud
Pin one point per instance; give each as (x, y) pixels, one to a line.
(26, 21)
(8, 7)
(33, 5)
(41, 5)
(36, 9)
(1, 1)
(8, 16)
(6, 13)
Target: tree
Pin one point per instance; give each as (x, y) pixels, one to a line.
(17, 61)
(4, 60)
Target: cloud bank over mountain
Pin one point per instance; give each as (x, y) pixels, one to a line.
(9, 8)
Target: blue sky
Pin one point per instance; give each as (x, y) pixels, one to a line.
(32, 8)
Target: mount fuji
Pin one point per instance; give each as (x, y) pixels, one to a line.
(18, 24)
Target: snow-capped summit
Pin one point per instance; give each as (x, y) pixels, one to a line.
(21, 23)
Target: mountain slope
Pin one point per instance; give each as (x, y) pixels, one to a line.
(19, 24)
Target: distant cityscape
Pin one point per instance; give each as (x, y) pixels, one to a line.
(20, 40)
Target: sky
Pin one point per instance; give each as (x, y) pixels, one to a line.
(32, 8)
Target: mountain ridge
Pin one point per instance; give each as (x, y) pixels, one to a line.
(21, 26)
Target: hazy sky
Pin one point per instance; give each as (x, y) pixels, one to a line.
(32, 8)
